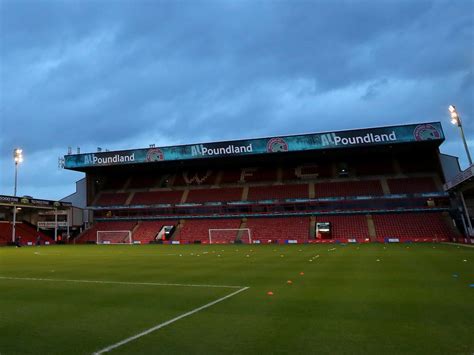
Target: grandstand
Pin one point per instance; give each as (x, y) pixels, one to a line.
(25, 219)
(461, 189)
(378, 184)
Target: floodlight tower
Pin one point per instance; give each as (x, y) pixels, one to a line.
(18, 158)
(456, 120)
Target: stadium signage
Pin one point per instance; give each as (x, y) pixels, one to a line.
(31, 201)
(94, 159)
(368, 138)
(202, 149)
(315, 141)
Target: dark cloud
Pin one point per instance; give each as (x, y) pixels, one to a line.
(129, 73)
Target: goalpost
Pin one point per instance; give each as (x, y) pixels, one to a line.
(114, 237)
(230, 235)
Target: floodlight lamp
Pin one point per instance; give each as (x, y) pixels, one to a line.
(452, 108)
(18, 155)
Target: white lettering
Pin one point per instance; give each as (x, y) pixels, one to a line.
(230, 149)
(368, 138)
(117, 158)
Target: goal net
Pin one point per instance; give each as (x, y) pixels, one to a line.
(114, 237)
(230, 235)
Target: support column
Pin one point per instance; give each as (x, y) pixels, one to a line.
(470, 231)
(279, 179)
(245, 193)
(67, 223)
(385, 188)
(14, 223)
(55, 225)
(312, 227)
(311, 190)
(184, 196)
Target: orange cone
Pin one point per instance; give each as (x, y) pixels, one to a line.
(289, 282)
(270, 293)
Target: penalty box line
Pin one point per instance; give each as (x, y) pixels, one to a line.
(116, 282)
(164, 324)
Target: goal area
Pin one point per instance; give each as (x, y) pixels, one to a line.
(114, 237)
(230, 235)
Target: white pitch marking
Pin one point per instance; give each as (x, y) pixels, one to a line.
(115, 282)
(47, 254)
(460, 245)
(164, 324)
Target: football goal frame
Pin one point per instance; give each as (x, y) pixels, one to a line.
(237, 230)
(127, 237)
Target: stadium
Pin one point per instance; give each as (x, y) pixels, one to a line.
(351, 186)
(349, 241)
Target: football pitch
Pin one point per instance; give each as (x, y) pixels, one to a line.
(213, 299)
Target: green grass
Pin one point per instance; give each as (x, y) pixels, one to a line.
(346, 302)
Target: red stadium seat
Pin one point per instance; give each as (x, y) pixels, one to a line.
(198, 230)
(278, 192)
(27, 233)
(112, 199)
(279, 229)
(90, 235)
(345, 227)
(148, 230)
(412, 185)
(214, 195)
(348, 188)
(411, 226)
(156, 197)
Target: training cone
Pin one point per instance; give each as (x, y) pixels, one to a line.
(289, 282)
(301, 273)
(270, 293)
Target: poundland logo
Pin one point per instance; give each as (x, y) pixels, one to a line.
(201, 149)
(92, 159)
(334, 139)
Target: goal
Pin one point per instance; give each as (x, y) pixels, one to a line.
(114, 237)
(230, 235)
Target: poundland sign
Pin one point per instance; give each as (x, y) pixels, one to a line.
(204, 150)
(314, 141)
(96, 159)
(333, 139)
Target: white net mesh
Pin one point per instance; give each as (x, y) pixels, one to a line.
(114, 237)
(225, 236)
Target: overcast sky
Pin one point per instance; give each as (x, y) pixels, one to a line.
(125, 74)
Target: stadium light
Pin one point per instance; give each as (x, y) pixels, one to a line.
(456, 120)
(18, 158)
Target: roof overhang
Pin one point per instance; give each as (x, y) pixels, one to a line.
(461, 180)
(421, 133)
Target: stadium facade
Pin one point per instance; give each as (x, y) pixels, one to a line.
(365, 185)
(31, 220)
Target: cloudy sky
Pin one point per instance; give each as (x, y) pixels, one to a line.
(124, 74)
